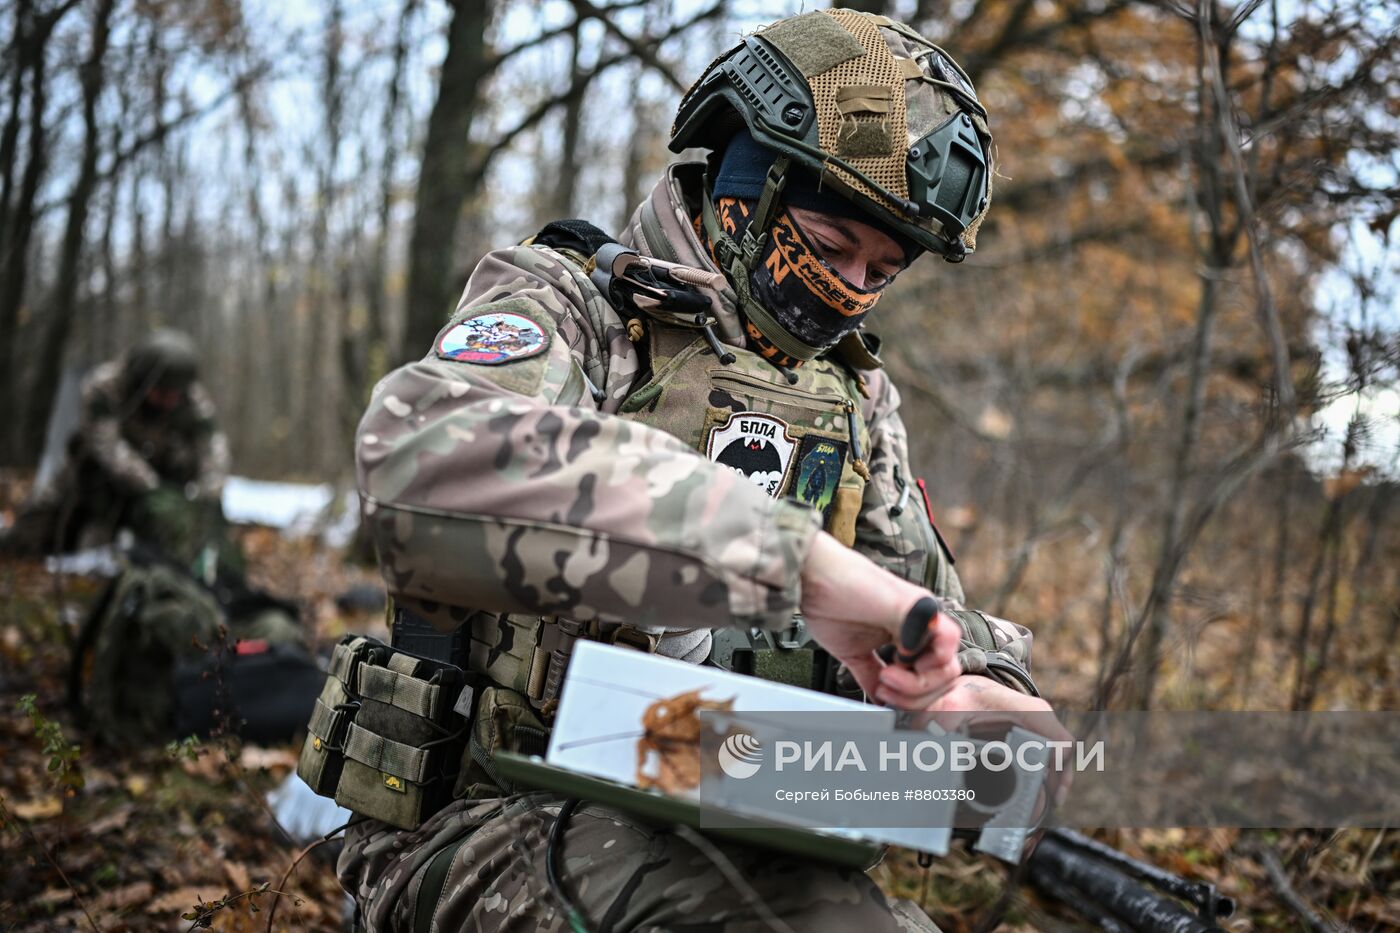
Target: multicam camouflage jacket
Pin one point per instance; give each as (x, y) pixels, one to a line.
(526, 488)
(138, 449)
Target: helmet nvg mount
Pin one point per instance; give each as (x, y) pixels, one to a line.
(868, 105)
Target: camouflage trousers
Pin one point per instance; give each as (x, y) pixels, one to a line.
(480, 866)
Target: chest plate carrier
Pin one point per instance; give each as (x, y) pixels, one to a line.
(798, 434)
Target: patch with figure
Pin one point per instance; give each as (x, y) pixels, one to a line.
(758, 446)
(492, 338)
(819, 463)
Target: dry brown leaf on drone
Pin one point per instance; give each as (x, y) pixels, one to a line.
(672, 730)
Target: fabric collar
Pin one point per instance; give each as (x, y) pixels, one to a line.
(669, 212)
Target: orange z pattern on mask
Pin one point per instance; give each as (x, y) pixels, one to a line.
(792, 252)
(806, 298)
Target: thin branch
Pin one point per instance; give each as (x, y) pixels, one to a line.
(482, 162)
(642, 50)
(1244, 206)
(1241, 468)
(1279, 879)
(161, 130)
(1242, 14)
(287, 875)
(549, 35)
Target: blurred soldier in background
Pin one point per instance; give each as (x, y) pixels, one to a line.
(147, 455)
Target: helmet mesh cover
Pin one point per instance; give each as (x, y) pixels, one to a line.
(877, 88)
(876, 67)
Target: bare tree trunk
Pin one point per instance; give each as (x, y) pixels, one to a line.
(9, 136)
(367, 358)
(1169, 560)
(432, 289)
(14, 251)
(561, 203)
(1156, 612)
(1332, 529)
(164, 249)
(1386, 645)
(634, 166)
(319, 425)
(365, 355)
(1375, 521)
(1113, 563)
(65, 299)
(140, 257)
(1361, 572)
(260, 309)
(1272, 609)
(1283, 547)
(16, 246)
(102, 331)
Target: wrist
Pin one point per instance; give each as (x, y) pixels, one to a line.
(839, 581)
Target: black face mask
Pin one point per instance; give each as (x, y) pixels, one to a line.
(802, 295)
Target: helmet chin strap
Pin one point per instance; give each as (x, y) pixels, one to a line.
(738, 260)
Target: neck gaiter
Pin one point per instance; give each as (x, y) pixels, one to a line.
(804, 295)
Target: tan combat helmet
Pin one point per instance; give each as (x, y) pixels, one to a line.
(874, 109)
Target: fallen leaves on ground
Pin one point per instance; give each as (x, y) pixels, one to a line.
(151, 837)
(40, 809)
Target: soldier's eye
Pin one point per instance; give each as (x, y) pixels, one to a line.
(879, 278)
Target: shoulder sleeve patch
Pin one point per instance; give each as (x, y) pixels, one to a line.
(497, 333)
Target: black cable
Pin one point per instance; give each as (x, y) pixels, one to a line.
(551, 867)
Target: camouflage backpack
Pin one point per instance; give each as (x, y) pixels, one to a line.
(159, 651)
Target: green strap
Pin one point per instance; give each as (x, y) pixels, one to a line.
(731, 258)
(324, 721)
(375, 751)
(343, 659)
(773, 186)
(975, 627)
(407, 693)
(430, 891)
(404, 664)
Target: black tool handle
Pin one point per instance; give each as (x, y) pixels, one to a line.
(914, 632)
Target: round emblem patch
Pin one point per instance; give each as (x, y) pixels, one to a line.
(492, 338)
(757, 446)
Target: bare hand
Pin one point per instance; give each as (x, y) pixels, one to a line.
(969, 698)
(972, 699)
(852, 607)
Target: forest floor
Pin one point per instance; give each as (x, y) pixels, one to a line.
(157, 838)
(182, 838)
